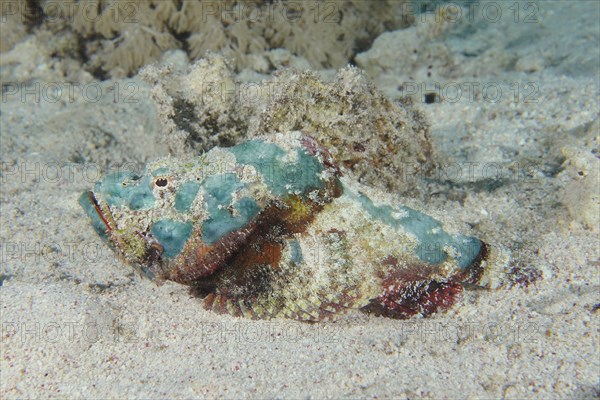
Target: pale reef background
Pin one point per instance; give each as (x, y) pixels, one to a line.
(517, 165)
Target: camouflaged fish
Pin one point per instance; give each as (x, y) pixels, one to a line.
(272, 228)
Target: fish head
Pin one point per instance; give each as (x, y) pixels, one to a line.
(147, 217)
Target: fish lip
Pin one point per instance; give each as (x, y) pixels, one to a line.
(106, 219)
(93, 209)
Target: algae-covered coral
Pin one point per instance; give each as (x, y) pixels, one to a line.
(375, 138)
(116, 37)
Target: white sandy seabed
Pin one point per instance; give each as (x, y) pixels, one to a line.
(78, 323)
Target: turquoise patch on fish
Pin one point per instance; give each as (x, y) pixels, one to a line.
(185, 196)
(172, 235)
(225, 215)
(273, 228)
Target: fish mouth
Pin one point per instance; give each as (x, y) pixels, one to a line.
(101, 220)
(99, 211)
(146, 256)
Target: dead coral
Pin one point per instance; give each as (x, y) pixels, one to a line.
(14, 23)
(118, 37)
(378, 140)
(198, 110)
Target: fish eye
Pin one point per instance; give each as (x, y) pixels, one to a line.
(161, 182)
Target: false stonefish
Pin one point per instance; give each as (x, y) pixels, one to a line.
(272, 228)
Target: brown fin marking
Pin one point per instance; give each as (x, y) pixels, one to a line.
(235, 291)
(245, 311)
(204, 260)
(216, 303)
(424, 298)
(409, 291)
(258, 313)
(248, 274)
(253, 263)
(251, 273)
(233, 307)
(414, 289)
(209, 300)
(222, 304)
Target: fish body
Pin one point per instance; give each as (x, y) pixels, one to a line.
(272, 228)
